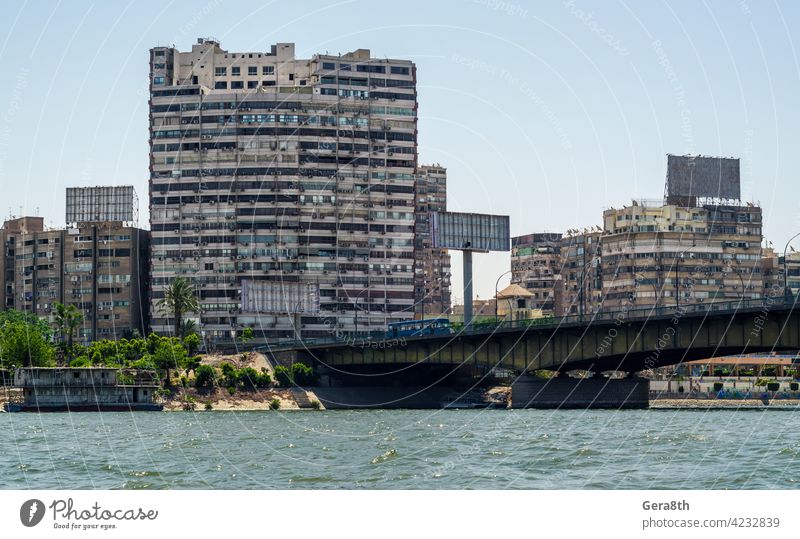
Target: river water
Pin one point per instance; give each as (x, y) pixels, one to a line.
(384, 449)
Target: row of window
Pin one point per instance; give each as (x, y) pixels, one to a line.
(236, 71)
(366, 68)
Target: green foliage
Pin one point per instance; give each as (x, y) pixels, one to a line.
(209, 406)
(300, 374)
(169, 354)
(761, 382)
(192, 364)
(542, 373)
(283, 376)
(192, 343)
(315, 404)
(231, 390)
(230, 376)
(145, 364)
(247, 335)
(179, 298)
(81, 361)
(188, 327)
(275, 404)
(68, 319)
(24, 341)
(249, 378)
(205, 377)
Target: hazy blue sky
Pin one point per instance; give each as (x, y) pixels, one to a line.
(549, 112)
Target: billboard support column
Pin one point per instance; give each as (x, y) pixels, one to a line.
(467, 288)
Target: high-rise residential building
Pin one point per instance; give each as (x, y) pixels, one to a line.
(100, 267)
(536, 266)
(665, 255)
(581, 272)
(431, 266)
(273, 174)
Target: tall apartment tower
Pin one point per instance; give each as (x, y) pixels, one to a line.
(283, 188)
(432, 266)
(536, 266)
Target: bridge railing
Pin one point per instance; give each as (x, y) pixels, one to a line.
(367, 339)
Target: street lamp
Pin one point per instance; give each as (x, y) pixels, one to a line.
(496, 284)
(786, 267)
(655, 290)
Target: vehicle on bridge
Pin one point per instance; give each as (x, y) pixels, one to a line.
(417, 328)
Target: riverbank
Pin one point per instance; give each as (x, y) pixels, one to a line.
(723, 404)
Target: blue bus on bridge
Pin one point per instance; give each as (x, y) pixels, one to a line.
(417, 328)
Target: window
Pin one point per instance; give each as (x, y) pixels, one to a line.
(267, 83)
(291, 76)
(328, 65)
(237, 85)
(252, 71)
(267, 70)
(158, 81)
(235, 71)
(220, 71)
(220, 85)
(399, 70)
(252, 84)
(344, 67)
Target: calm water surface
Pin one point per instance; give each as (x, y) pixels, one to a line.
(482, 449)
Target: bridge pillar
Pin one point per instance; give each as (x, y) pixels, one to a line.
(581, 393)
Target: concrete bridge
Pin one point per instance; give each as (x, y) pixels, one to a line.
(630, 340)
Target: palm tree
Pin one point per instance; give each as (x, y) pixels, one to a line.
(68, 319)
(179, 299)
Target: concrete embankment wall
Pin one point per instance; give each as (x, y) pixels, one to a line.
(531, 392)
(348, 398)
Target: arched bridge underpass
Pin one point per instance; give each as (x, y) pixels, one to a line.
(632, 340)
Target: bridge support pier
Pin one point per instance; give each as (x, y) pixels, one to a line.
(580, 393)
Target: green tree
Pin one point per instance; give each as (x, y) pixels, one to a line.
(230, 375)
(205, 377)
(68, 319)
(179, 298)
(247, 335)
(192, 343)
(169, 355)
(192, 364)
(188, 328)
(24, 344)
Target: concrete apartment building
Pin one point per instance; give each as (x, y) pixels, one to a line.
(98, 267)
(581, 272)
(432, 289)
(536, 266)
(668, 255)
(283, 188)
